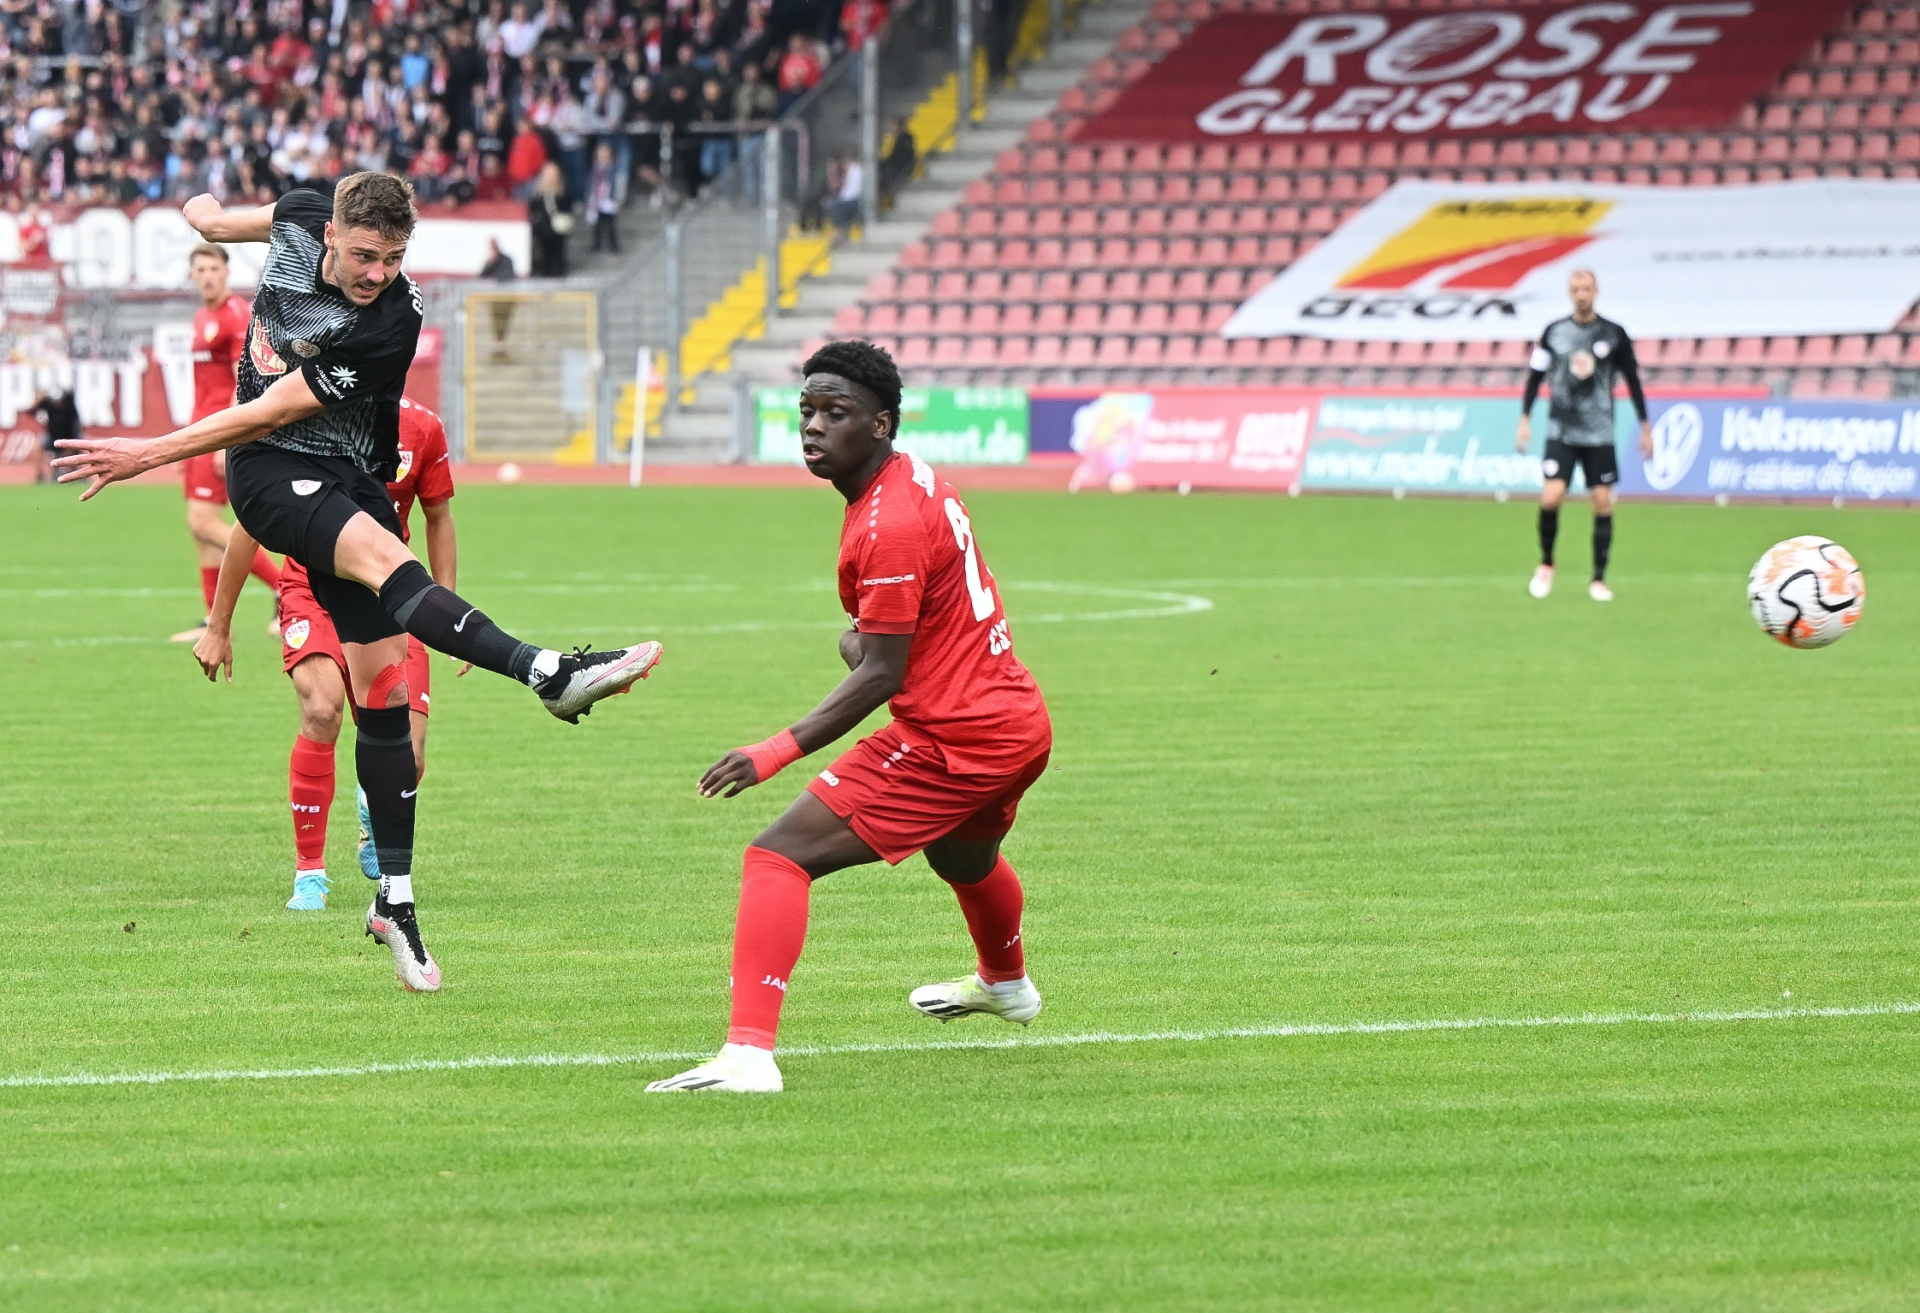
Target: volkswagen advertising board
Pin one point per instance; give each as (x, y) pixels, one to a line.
(1765, 450)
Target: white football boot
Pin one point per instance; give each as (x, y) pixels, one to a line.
(740, 1069)
(1599, 591)
(585, 677)
(379, 923)
(1542, 582)
(417, 970)
(1015, 1000)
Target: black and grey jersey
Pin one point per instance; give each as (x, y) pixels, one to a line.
(355, 358)
(1581, 363)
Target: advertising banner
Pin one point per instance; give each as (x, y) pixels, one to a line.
(1765, 450)
(1430, 261)
(944, 426)
(1493, 68)
(1432, 444)
(1203, 438)
(112, 249)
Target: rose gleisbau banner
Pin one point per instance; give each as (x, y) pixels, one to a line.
(1491, 69)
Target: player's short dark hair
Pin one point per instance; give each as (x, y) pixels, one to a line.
(378, 201)
(863, 363)
(208, 249)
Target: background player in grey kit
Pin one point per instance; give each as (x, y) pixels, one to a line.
(1583, 355)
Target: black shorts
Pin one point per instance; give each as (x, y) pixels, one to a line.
(297, 505)
(1601, 464)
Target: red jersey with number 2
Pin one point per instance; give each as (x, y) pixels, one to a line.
(909, 565)
(219, 333)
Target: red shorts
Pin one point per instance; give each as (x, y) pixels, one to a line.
(306, 631)
(893, 789)
(204, 482)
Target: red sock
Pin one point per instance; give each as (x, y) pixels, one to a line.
(992, 908)
(767, 939)
(209, 580)
(263, 569)
(310, 786)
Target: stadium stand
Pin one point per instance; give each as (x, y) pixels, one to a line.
(121, 103)
(1116, 265)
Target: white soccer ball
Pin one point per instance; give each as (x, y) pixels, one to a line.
(508, 473)
(1807, 591)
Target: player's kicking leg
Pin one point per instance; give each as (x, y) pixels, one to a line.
(568, 684)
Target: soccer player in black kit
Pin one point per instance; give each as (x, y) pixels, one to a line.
(314, 436)
(1583, 355)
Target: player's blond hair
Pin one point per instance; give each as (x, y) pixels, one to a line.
(378, 201)
(208, 249)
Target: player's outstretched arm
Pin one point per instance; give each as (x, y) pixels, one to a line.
(215, 648)
(875, 678)
(110, 460)
(217, 224)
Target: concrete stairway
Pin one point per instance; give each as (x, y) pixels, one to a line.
(705, 430)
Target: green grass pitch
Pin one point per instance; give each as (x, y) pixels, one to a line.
(1317, 761)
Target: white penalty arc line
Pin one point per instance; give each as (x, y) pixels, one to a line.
(1305, 1029)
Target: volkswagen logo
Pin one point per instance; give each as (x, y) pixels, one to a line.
(1676, 442)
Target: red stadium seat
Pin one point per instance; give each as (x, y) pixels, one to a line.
(1781, 352)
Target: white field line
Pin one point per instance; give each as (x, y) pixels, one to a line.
(493, 1062)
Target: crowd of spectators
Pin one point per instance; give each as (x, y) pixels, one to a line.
(120, 102)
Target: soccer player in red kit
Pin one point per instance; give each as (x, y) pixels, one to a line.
(313, 659)
(969, 735)
(219, 335)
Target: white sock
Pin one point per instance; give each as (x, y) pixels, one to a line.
(320, 871)
(544, 667)
(1006, 988)
(397, 888)
(751, 1054)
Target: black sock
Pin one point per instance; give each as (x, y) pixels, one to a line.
(440, 619)
(1549, 530)
(1602, 544)
(383, 759)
